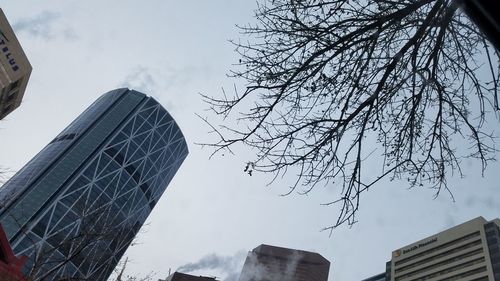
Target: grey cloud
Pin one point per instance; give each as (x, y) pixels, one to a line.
(140, 79)
(450, 221)
(233, 276)
(5, 174)
(40, 25)
(473, 201)
(69, 34)
(145, 80)
(229, 265)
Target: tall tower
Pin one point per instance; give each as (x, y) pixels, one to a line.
(76, 206)
(15, 69)
(270, 263)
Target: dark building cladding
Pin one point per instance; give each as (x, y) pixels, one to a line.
(177, 276)
(378, 277)
(81, 200)
(492, 231)
(270, 263)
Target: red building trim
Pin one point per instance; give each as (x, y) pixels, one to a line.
(10, 265)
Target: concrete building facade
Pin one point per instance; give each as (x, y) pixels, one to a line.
(469, 251)
(15, 69)
(271, 263)
(76, 206)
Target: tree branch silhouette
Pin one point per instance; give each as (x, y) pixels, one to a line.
(333, 84)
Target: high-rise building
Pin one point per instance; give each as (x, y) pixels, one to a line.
(469, 251)
(76, 206)
(271, 263)
(177, 276)
(15, 69)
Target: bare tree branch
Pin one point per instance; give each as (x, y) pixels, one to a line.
(333, 84)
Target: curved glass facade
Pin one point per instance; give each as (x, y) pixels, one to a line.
(75, 208)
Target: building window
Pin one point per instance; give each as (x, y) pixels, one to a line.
(15, 85)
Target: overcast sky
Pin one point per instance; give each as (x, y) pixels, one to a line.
(211, 212)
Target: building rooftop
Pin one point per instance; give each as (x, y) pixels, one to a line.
(178, 276)
(280, 252)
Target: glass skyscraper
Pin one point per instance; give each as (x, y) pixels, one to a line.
(76, 206)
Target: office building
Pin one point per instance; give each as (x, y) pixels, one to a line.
(76, 206)
(270, 263)
(15, 69)
(177, 276)
(469, 251)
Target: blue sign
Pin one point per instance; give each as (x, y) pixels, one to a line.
(7, 54)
